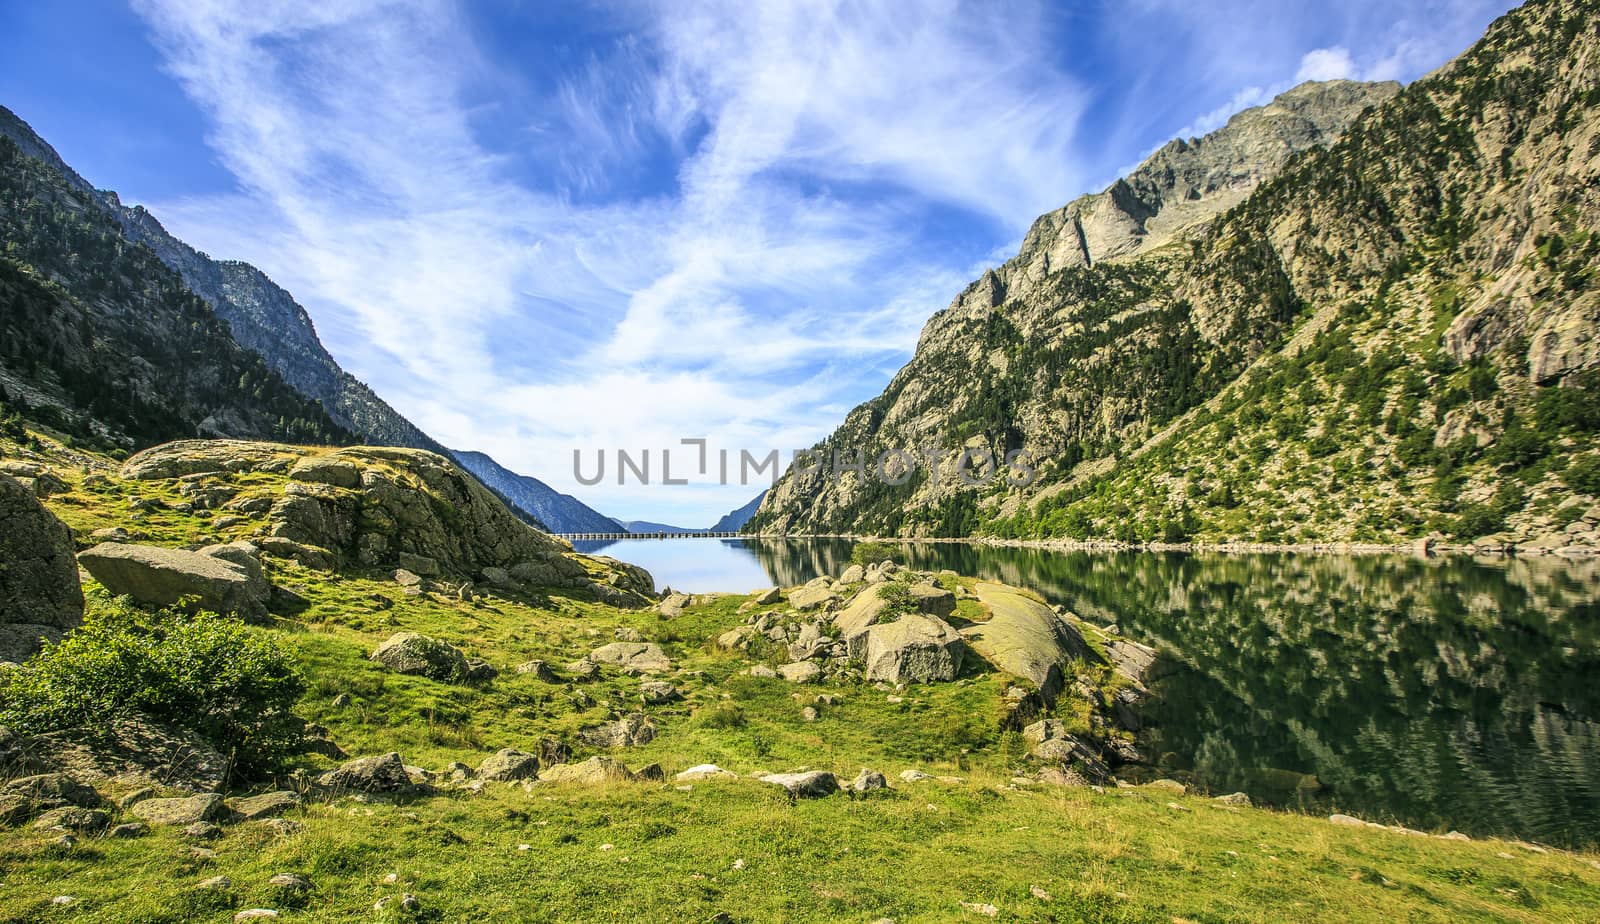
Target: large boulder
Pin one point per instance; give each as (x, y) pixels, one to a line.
(914, 649)
(815, 594)
(129, 750)
(863, 611)
(1026, 638)
(378, 773)
(421, 655)
(811, 784)
(645, 657)
(932, 599)
(509, 764)
(162, 577)
(628, 731)
(185, 810)
(38, 577)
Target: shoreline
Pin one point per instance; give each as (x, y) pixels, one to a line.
(1422, 548)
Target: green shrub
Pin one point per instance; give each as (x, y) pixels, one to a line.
(1583, 476)
(722, 715)
(203, 672)
(1478, 520)
(870, 553)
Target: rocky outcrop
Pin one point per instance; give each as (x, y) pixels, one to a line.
(628, 731)
(129, 750)
(380, 773)
(165, 577)
(591, 772)
(633, 657)
(1026, 638)
(39, 592)
(509, 764)
(396, 508)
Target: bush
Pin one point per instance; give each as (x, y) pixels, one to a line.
(1478, 520)
(203, 672)
(870, 553)
(1583, 476)
(722, 715)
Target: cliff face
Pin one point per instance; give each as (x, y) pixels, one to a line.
(1323, 322)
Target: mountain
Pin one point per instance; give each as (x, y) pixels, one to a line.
(561, 513)
(1387, 334)
(736, 519)
(645, 526)
(104, 342)
(262, 316)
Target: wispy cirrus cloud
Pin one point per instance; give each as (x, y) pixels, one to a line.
(713, 219)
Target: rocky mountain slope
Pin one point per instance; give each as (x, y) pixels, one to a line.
(1391, 335)
(262, 316)
(103, 341)
(561, 513)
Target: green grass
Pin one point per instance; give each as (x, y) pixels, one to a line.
(912, 854)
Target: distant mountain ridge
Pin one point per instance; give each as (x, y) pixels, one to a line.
(560, 513)
(645, 526)
(735, 520)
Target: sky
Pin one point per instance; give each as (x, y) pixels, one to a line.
(547, 228)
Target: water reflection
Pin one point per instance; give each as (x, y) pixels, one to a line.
(1440, 693)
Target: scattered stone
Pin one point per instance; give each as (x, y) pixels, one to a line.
(1347, 821)
(1172, 786)
(810, 784)
(867, 781)
(220, 883)
(129, 748)
(931, 599)
(914, 776)
(1236, 798)
(290, 882)
(417, 654)
(767, 597)
(480, 671)
(673, 604)
(627, 634)
(646, 657)
(282, 827)
(705, 772)
(583, 669)
(592, 771)
(174, 812)
(129, 830)
(73, 818)
(407, 578)
(202, 831)
(762, 670)
(1038, 893)
(852, 575)
(539, 669)
(266, 805)
(378, 773)
(509, 764)
(816, 594)
(256, 914)
(810, 714)
(628, 731)
(983, 908)
(1055, 776)
(800, 672)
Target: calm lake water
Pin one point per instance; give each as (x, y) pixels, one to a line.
(1439, 693)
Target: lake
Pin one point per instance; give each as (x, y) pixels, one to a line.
(1445, 692)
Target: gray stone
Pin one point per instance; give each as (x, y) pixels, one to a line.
(509, 764)
(129, 831)
(590, 772)
(914, 649)
(38, 576)
(767, 597)
(656, 692)
(164, 577)
(852, 575)
(815, 595)
(73, 818)
(867, 781)
(265, 805)
(180, 811)
(202, 830)
(583, 669)
(811, 784)
(378, 773)
(935, 601)
(628, 731)
(130, 749)
(800, 672)
(1025, 638)
(290, 882)
(414, 653)
(633, 656)
(538, 669)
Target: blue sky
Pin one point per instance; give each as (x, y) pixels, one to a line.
(544, 227)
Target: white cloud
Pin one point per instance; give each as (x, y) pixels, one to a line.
(772, 285)
(1326, 64)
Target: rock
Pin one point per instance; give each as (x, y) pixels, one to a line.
(1237, 798)
(867, 781)
(73, 818)
(129, 831)
(312, 557)
(378, 773)
(914, 649)
(705, 772)
(266, 805)
(1131, 659)
(628, 731)
(583, 669)
(180, 811)
(737, 638)
(480, 671)
(933, 600)
(762, 671)
(863, 611)
(656, 693)
(413, 653)
(509, 764)
(417, 564)
(1055, 776)
(342, 701)
(538, 669)
(810, 714)
(592, 771)
(815, 595)
(1026, 639)
(282, 827)
(407, 578)
(644, 657)
(852, 575)
(914, 776)
(672, 605)
(1347, 821)
(983, 908)
(811, 784)
(130, 749)
(1047, 740)
(202, 831)
(800, 672)
(256, 914)
(1164, 785)
(50, 790)
(111, 534)
(220, 883)
(290, 882)
(38, 576)
(164, 577)
(767, 597)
